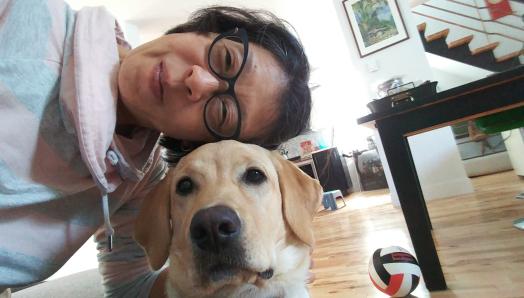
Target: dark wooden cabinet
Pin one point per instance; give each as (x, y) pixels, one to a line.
(332, 170)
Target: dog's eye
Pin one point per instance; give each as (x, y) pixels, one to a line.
(254, 176)
(184, 186)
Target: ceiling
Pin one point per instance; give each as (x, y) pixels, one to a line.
(153, 17)
(139, 10)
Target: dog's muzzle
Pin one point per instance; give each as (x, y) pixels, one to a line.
(215, 233)
(215, 229)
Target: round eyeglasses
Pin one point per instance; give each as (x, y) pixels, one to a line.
(226, 58)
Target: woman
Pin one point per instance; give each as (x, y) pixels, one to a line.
(81, 113)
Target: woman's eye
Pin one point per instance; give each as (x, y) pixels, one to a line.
(228, 61)
(221, 112)
(185, 186)
(254, 176)
(223, 116)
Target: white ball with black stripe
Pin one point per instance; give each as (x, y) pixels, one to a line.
(394, 271)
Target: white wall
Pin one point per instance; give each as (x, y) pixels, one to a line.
(341, 97)
(406, 58)
(409, 60)
(440, 171)
(450, 73)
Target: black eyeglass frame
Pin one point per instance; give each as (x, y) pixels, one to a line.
(242, 34)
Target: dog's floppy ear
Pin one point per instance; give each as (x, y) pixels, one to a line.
(301, 197)
(152, 226)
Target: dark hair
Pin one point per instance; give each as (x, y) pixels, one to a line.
(271, 33)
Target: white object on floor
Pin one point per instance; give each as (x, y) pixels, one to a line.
(519, 223)
(488, 164)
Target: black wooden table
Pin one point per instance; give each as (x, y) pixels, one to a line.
(496, 93)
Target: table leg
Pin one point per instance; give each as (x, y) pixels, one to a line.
(396, 149)
(421, 197)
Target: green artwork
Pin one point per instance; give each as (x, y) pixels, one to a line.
(374, 20)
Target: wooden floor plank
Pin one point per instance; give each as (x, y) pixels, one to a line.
(482, 254)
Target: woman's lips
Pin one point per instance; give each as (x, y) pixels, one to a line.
(156, 81)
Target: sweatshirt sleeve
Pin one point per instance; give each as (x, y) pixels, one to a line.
(125, 270)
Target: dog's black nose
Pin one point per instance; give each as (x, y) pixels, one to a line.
(215, 228)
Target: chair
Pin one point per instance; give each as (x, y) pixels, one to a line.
(329, 200)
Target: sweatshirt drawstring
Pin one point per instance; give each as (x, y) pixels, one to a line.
(114, 160)
(126, 173)
(107, 223)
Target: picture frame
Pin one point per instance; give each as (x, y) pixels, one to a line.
(375, 24)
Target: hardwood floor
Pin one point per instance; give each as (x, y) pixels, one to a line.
(482, 254)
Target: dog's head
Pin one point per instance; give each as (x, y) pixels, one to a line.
(231, 217)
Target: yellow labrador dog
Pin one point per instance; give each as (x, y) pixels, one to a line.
(235, 220)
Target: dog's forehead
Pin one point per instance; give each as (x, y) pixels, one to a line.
(225, 155)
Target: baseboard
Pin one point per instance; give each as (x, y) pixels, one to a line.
(488, 164)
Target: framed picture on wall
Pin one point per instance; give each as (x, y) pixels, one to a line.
(375, 24)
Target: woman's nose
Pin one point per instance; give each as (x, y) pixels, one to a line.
(201, 84)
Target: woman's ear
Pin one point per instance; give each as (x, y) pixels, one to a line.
(152, 227)
(301, 197)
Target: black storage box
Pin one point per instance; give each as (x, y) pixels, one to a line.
(425, 89)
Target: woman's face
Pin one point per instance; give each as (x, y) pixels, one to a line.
(165, 84)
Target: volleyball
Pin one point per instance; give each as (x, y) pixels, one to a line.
(394, 271)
